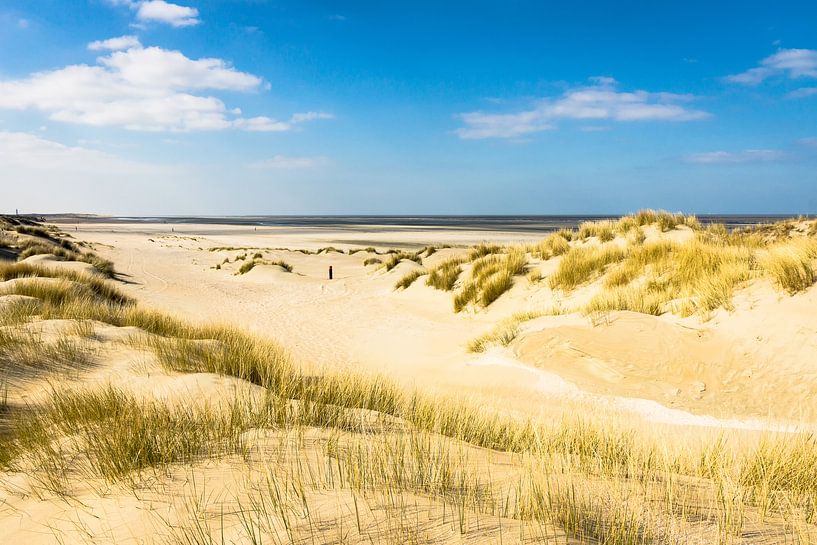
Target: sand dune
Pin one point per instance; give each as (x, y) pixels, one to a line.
(125, 425)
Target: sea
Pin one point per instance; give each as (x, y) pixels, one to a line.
(527, 224)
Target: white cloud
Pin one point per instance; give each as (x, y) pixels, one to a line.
(480, 125)
(810, 141)
(23, 24)
(791, 63)
(159, 11)
(290, 163)
(600, 101)
(164, 12)
(115, 44)
(146, 89)
(737, 157)
(156, 67)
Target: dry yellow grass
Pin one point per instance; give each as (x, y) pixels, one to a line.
(490, 277)
(791, 264)
(409, 278)
(445, 275)
(506, 331)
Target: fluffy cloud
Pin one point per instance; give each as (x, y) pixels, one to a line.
(164, 12)
(290, 163)
(737, 157)
(600, 101)
(115, 44)
(145, 89)
(791, 63)
(160, 11)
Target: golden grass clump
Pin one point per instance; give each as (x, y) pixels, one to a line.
(792, 264)
(490, 277)
(554, 245)
(98, 286)
(652, 275)
(644, 299)
(119, 434)
(38, 240)
(506, 331)
(483, 249)
(371, 261)
(395, 259)
(409, 278)
(604, 230)
(582, 264)
(445, 275)
(666, 221)
(247, 266)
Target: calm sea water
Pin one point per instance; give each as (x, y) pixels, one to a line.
(483, 223)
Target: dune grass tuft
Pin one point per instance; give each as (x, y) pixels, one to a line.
(604, 230)
(582, 264)
(554, 245)
(395, 259)
(491, 276)
(483, 249)
(247, 266)
(506, 331)
(409, 278)
(445, 275)
(99, 287)
(792, 264)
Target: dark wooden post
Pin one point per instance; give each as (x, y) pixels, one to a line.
(330, 272)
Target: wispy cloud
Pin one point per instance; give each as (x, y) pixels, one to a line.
(803, 92)
(310, 116)
(791, 63)
(811, 141)
(285, 162)
(601, 101)
(115, 44)
(735, 157)
(143, 89)
(267, 124)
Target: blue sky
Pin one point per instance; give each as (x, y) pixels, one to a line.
(481, 107)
